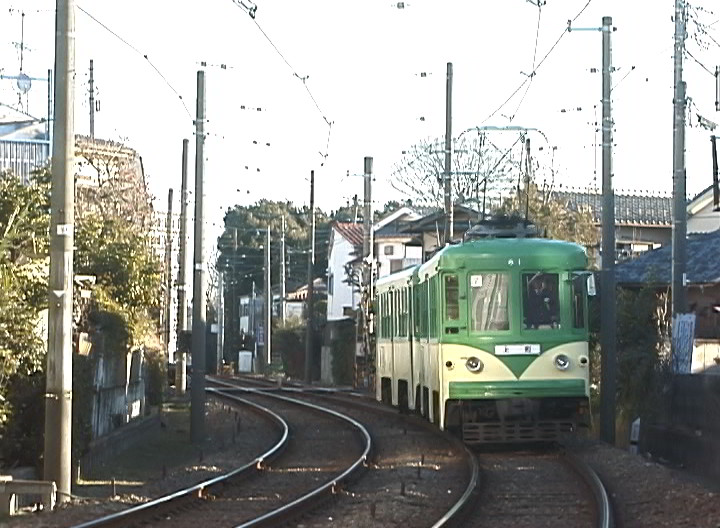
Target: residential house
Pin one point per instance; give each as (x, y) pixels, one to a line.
(396, 249)
(642, 222)
(703, 288)
(428, 229)
(703, 217)
(24, 142)
(344, 254)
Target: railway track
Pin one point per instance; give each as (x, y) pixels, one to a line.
(271, 488)
(416, 475)
(537, 488)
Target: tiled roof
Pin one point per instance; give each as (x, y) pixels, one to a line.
(703, 264)
(629, 209)
(353, 233)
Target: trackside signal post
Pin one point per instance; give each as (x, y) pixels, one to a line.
(58, 394)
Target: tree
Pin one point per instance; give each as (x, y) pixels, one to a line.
(128, 275)
(554, 218)
(24, 220)
(479, 168)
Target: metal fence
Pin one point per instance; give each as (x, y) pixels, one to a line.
(115, 406)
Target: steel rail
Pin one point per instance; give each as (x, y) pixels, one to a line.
(591, 479)
(291, 509)
(147, 508)
(454, 512)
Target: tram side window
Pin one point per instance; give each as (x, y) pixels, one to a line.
(540, 300)
(452, 292)
(489, 302)
(403, 313)
(578, 300)
(433, 324)
(420, 314)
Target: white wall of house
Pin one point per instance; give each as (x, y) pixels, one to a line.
(340, 293)
(394, 255)
(702, 218)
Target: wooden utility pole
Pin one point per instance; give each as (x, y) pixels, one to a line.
(283, 291)
(363, 371)
(58, 394)
(197, 393)
(310, 293)
(267, 350)
(182, 326)
(168, 273)
(92, 101)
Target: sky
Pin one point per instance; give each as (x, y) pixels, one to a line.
(335, 81)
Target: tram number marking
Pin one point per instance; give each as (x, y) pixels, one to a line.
(517, 350)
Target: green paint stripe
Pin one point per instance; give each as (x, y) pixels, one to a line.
(466, 390)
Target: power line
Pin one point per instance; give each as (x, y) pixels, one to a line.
(532, 74)
(141, 54)
(699, 63)
(535, 70)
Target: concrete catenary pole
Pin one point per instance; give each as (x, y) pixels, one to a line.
(679, 231)
(220, 323)
(447, 173)
(267, 351)
(607, 299)
(283, 273)
(363, 322)
(168, 273)
(92, 100)
(58, 395)
(180, 359)
(197, 392)
(716, 184)
(310, 316)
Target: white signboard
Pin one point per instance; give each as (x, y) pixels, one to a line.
(476, 281)
(517, 350)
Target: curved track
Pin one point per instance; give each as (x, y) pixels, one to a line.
(536, 489)
(222, 501)
(419, 476)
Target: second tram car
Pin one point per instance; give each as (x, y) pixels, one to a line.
(489, 339)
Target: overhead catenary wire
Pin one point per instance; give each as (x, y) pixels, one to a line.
(535, 70)
(532, 71)
(144, 55)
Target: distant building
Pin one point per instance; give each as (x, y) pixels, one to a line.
(24, 142)
(642, 222)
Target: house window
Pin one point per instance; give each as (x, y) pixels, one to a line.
(330, 284)
(389, 250)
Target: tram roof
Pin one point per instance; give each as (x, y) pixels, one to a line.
(552, 252)
(399, 278)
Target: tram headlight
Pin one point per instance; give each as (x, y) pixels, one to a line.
(562, 362)
(474, 364)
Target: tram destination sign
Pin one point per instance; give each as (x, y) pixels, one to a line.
(517, 350)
